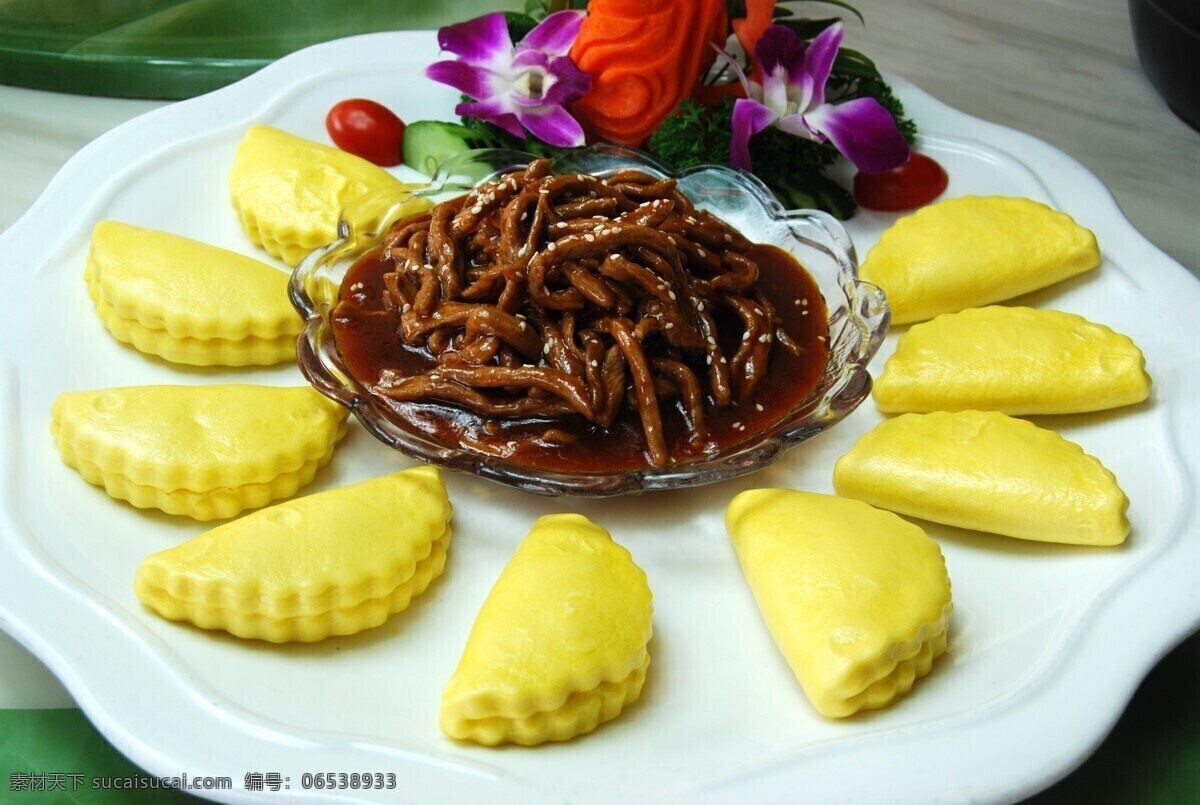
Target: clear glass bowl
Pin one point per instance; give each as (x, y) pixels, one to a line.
(858, 321)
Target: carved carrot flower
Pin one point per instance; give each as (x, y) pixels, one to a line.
(791, 98)
(517, 87)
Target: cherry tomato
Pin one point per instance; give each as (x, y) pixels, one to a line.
(366, 129)
(913, 184)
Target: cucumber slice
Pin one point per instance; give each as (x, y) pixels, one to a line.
(428, 143)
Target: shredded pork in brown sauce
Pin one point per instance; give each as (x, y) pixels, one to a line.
(570, 295)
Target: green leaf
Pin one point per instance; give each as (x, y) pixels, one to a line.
(779, 12)
(535, 9)
(845, 5)
(851, 62)
(810, 189)
(519, 25)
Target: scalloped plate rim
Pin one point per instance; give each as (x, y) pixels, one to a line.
(1093, 653)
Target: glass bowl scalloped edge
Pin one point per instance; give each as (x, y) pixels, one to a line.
(858, 320)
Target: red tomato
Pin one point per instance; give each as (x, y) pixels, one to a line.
(366, 129)
(913, 184)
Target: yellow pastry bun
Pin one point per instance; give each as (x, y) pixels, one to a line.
(973, 251)
(1012, 359)
(189, 302)
(986, 471)
(857, 599)
(559, 645)
(288, 191)
(206, 452)
(334, 563)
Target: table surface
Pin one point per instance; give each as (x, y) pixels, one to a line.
(1064, 71)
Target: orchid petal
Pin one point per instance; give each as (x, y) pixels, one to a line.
(801, 90)
(555, 34)
(566, 83)
(775, 94)
(780, 48)
(798, 126)
(562, 84)
(477, 82)
(552, 124)
(818, 61)
(863, 131)
(749, 118)
(529, 58)
(497, 111)
(483, 41)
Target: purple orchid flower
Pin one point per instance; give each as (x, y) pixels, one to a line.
(792, 98)
(523, 86)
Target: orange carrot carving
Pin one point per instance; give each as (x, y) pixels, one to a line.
(644, 57)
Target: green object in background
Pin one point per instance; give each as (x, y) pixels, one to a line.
(62, 742)
(176, 49)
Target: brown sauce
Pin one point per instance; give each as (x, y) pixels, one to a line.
(365, 334)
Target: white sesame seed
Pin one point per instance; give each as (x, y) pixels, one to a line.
(406, 308)
(725, 361)
(546, 349)
(701, 252)
(522, 326)
(590, 238)
(737, 424)
(520, 316)
(614, 256)
(700, 306)
(803, 312)
(476, 210)
(671, 239)
(743, 427)
(712, 340)
(525, 215)
(551, 246)
(728, 238)
(668, 326)
(435, 376)
(821, 338)
(595, 364)
(758, 406)
(616, 230)
(797, 302)
(671, 294)
(581, 177)
(708, 359)
(764, 338)
(746, 336)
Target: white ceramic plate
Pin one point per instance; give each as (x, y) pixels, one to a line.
(1047, 643)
